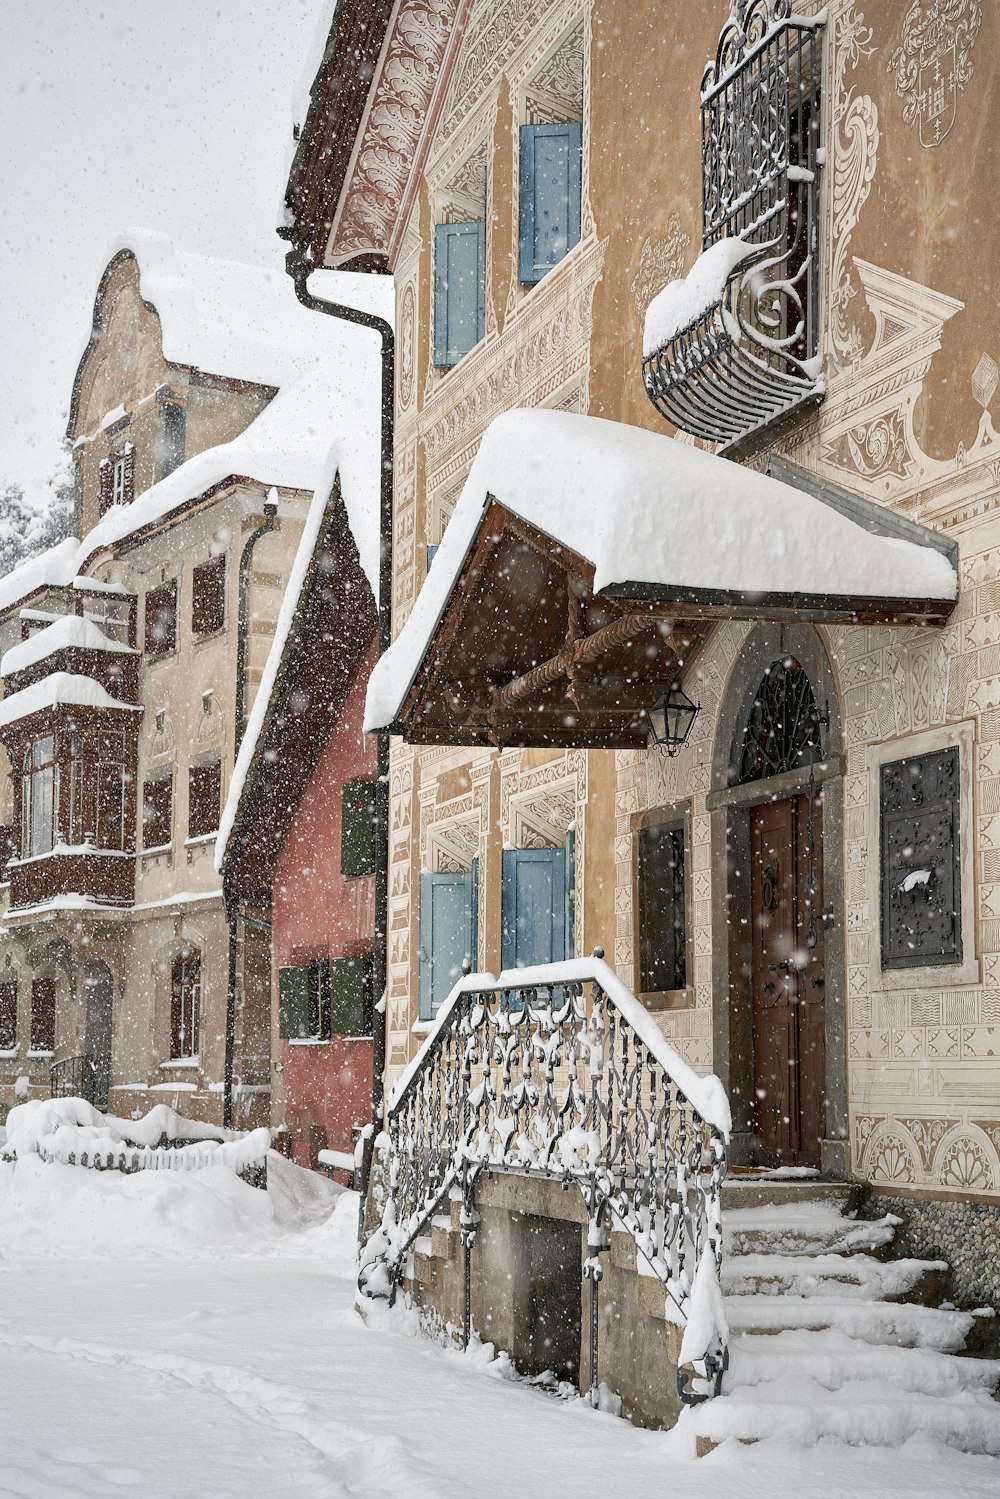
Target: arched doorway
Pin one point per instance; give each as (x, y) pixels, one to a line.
(777, 835)
(98, 997)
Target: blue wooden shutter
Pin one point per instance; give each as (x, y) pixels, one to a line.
(533, 906)
(459, 290)
(549, 195)
(446, 935)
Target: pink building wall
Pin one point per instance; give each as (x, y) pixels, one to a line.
(315, 913)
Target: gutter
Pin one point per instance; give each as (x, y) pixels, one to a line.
(299, 265)
(229, 894)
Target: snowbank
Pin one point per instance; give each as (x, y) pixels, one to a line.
(29, 1124)
(645, 508)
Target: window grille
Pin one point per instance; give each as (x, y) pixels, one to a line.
(921, 883)
(662, 916)
(185, 1004)
(747, 364)
(783, 727)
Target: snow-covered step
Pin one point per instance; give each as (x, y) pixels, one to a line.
(871, 1321)
(863, 1412)
(856, 1276)
(816, 1227)
(831, 1358)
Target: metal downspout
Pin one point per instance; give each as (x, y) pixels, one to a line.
(230, 896)
(299, 266)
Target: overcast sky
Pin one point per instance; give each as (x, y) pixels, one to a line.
(164, 114)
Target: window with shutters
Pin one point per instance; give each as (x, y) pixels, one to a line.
(208, 598)
(352, 995)
(157, 810)
(920, 860)
(662, 916)
(39, 783)
(460, 261)
(537, 901)
(160, 632)
(304, 1001)
(8, 1013)
(115, 786)
(449, 903)
(43, 1015)
(550, 171)
(204, 799)
(357, 829)
(185, 1004)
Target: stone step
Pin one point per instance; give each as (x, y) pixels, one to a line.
(858, 1277)
(816, 1227)
(870, 1321)
(865, 1412)
(445, 1240)
(833, 1359)
(760, 1189)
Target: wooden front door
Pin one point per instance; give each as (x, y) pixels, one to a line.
(789, 1035)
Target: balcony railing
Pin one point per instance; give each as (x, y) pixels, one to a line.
(529, 1074)
(104, 876)
(739, 355)
(74, 1077)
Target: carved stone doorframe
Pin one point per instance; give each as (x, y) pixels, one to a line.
(729, 806)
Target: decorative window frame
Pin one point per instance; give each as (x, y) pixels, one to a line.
(673, 815)
(936, 975)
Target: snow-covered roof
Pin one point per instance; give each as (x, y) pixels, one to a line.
(59, 688)
(325, 418)
(258, 713)
(227, 318)
(680, 303)
(67, 633)
(646, 509)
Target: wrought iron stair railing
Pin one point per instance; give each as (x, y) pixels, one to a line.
(74, 1077)
(530, 1073)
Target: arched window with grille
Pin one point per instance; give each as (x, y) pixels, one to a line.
(783, 725)
(185, 1003)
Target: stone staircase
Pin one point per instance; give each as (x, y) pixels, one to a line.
(832, 1338)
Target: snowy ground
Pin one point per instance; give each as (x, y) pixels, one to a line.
(172, 1335)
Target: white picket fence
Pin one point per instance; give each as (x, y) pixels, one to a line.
(247, 1157)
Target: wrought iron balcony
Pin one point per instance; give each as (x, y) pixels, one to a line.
(527, 1074)
(738, 358)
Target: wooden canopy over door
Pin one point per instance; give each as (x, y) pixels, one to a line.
(789, 1038)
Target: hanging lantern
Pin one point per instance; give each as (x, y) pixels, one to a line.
(671, 718)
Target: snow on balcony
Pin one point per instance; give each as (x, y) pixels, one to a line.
(59, 689)
(71, 632)
(681, 303)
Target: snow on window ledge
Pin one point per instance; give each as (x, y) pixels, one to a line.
(421, 1027)
(182, 1062)
(308, 1041)
(40, 1056)
(201, 839)
(7, 1054)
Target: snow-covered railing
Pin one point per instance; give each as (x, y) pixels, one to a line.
(529, 1073)
(246, 1157)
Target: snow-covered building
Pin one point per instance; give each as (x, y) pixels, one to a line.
(205, 415)
(696, 354)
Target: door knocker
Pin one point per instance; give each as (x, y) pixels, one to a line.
(769, 886)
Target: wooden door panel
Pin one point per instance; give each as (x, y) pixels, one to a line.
(788, 981)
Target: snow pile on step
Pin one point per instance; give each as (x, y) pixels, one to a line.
(819, 1350)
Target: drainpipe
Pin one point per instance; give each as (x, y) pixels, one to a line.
(299, 265)
(230, 896)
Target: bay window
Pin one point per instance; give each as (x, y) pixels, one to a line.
(38, 797)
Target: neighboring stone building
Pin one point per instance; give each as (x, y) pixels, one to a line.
(804, 896)
(203, 417)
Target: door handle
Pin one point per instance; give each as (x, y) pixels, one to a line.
(769, 988)
(817, 983)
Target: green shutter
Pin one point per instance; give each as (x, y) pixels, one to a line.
(294, 995)
(351, 995)
(357, 829)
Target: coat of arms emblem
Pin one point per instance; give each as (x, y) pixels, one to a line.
(934, 63)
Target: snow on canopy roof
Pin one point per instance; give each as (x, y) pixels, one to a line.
(644, 508)
(59, 687)
(64, 634)
(258, 713)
